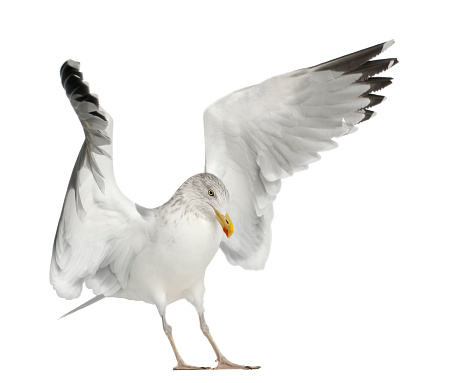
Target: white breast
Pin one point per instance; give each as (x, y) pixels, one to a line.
(175, 259)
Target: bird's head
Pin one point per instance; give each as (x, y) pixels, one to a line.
(206, 195)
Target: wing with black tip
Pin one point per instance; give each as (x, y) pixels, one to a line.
(99, 231)
(256, 136)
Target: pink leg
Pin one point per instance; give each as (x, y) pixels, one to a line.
(181, 365)
(222, 362)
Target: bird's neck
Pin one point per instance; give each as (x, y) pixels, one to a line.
(181, 206)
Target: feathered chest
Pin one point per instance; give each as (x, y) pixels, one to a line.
(186, 239)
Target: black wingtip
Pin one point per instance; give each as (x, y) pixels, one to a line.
(368, 114)
(395, 62)
(374, 99)
(72, 81)
(70, 63)
(353, 60)
(360, 63)
(372, 68)
(377, 83)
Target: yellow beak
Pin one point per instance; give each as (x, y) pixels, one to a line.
(226, 223)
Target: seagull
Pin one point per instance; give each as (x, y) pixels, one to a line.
(254, 137)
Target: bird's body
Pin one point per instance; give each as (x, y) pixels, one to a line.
(254, 137)
(161, 272)
(164, 273)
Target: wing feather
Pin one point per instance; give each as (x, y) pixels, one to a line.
(99, 231)
(263, 133)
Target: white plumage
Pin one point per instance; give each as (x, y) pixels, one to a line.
(254, 138)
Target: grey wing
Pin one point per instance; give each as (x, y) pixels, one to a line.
(100, 231)
(258, 135)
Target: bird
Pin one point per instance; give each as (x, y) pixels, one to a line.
(254, 138)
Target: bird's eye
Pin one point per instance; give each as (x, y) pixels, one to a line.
(211, 192)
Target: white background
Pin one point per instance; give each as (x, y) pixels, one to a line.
(357, 285)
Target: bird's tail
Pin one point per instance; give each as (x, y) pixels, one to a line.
(86, 304)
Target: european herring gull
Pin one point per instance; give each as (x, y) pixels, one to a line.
(254, 137)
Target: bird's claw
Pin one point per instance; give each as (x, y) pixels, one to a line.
(184, 366)
(225, 364)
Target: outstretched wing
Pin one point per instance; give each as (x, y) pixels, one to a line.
(258, 135)
(99, 231)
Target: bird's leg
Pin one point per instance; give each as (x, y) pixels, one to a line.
(222, 362)
(181, 365)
